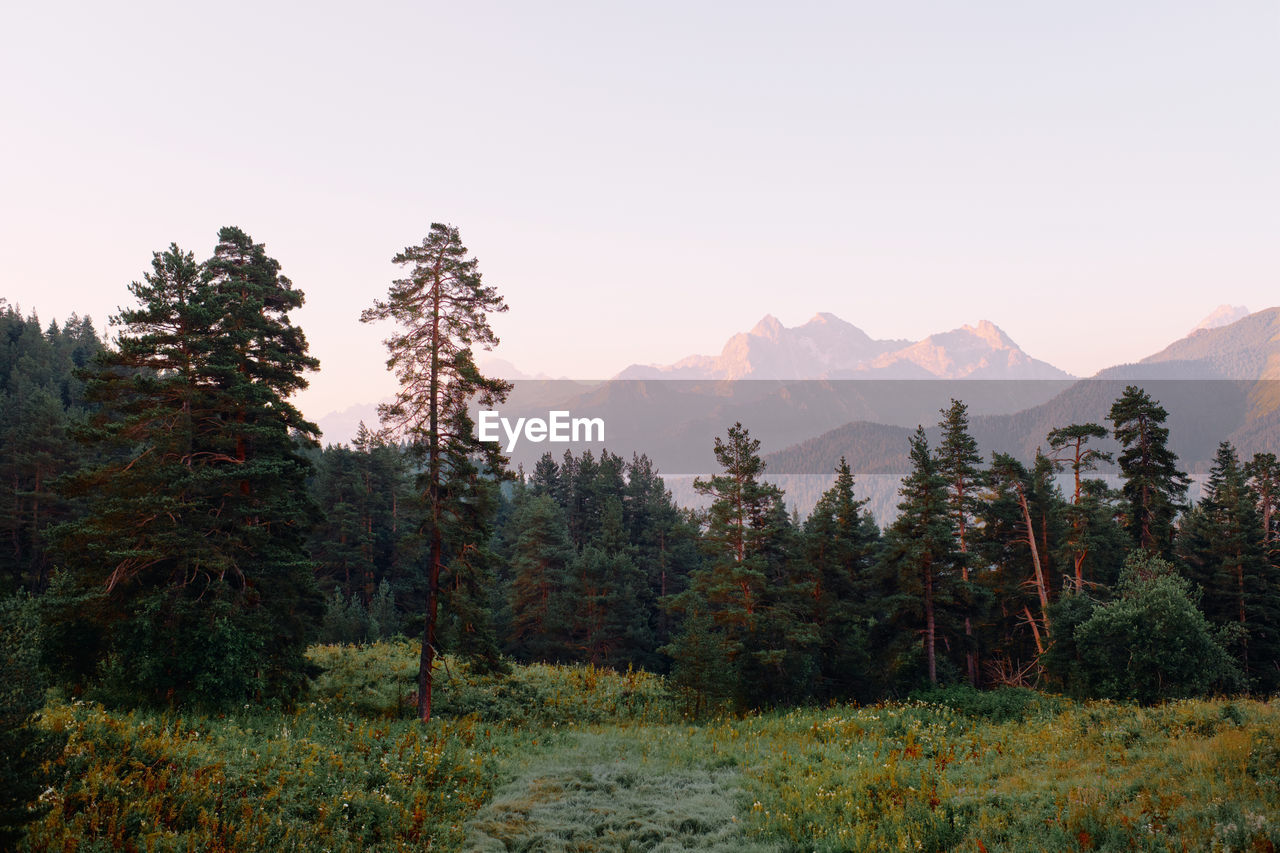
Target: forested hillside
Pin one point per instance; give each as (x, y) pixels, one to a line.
(175, 539)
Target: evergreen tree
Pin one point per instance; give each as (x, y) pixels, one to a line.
(1263, 472)
(1154, 488)
(1021, 510)
(958, 461)
(610, 598)
(190, 560)
(841, 540)
(665, 542)
(546, 477)
(919, 559)
(441, 309)
(468, 577)
(1221, 545)
(739, 589)
(1069, 445)
(41, 400)
(540, 584)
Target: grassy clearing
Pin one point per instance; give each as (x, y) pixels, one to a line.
(576, 759)
(603, 791)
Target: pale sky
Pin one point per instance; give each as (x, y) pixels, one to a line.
(641, 181)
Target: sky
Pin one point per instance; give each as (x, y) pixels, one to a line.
(641, 181)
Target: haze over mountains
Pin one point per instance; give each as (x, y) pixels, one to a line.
(806, 426)
(1217, 384)
(827, 347)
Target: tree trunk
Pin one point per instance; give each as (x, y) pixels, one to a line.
(433, 495)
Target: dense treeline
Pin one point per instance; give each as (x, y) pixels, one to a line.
(992, 573)
(176, 530)
(41, 399)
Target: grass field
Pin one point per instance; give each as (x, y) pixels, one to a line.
(576, 759)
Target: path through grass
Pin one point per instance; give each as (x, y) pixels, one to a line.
(608, 789)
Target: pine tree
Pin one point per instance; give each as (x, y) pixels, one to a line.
(442, 310)
(1154, 488)
(540, 584)
(190, 560)
(919, 557)
(958, 461)
(731, 593)
(841, 542)
(1012, 480)
(471, 497)
(1221, 544)
(1069, 446)
(1263, 472)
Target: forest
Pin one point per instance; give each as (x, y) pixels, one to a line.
(188, 576)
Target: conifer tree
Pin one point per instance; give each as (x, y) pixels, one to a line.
(1011, 478)
(958, 461)
(441, 309)
(841, 541)
(190, 560)
(540, 582)
(1069, 445)
(730, 593)
(466, 581)
(1154, 488)
(1263, 472)
(1221, 544)
(919, 556)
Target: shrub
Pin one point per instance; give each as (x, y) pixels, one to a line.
(23, 746)
(1152, 643)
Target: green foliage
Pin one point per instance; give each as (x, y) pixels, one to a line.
(350, 620)
(365, 532)
(633, 548)
(24, 746)
(1063, 661)
(378, 679)
(1221, 542)
(317, 779)
(188, 566)
(575, 757)
(1153, 486)
(540, 584)
(1152, 643)
(751, 597)
(1005, 704)
(1086, 514)
(441, 309)
(841, 544)
(920, 567)
(41, 399)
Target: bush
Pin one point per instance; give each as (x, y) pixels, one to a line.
(998, 706)
(23, 746)
(1152, 643)
(351, 621)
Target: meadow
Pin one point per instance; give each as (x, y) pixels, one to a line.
(572, 758)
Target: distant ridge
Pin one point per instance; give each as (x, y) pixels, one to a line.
(827, 347)
(1239, 402)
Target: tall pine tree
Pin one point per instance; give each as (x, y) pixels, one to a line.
(190, 561)
(1154, 488)
(441, 309)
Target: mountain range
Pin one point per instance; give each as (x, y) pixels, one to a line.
(827, 347)
(798, 402)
